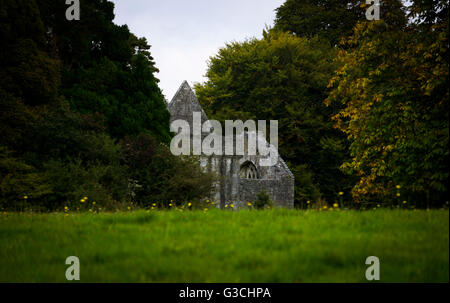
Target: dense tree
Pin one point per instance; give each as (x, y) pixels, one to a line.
(106, 69)
(429, 13)
(282, 77)
(70, 91)
(393, 84)
(27, 71)
(331, 20)
(19, 181)
(158, 177)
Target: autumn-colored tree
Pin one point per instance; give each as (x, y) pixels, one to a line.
(393, 84)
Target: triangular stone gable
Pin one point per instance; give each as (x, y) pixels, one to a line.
(184, 103)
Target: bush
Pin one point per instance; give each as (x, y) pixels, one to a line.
(162, 177)
(73, 180)
(20, 184)
(263, 200)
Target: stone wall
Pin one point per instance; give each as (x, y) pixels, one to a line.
(281, 192)
(239, 191)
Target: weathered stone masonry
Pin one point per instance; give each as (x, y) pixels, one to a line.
(242, 178)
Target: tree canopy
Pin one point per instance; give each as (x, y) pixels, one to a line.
(76, 99)
(365, 98)
(331, 20)
(393, 84)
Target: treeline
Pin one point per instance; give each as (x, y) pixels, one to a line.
(81, 113)
(362, 105)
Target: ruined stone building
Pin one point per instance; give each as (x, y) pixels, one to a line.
(241, 177)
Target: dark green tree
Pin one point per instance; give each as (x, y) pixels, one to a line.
(26, 69)
(331, 20)
(106, 69)
(69, 91)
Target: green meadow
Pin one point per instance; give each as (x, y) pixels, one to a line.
(226, 246)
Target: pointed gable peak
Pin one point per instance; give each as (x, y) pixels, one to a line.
(185, 85)
(183, 91)
(184, 103)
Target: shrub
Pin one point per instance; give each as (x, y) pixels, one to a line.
(20, 183)
(73, 180)
(162, 177)
(263, 200)
(77, 159)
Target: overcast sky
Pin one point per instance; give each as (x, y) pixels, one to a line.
(184, 34)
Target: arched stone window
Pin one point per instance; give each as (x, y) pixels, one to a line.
(248, 171)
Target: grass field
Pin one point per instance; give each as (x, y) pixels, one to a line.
(226, 246)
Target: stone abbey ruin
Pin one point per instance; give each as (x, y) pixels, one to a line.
(242, 177)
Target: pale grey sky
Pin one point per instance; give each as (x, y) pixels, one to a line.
(184, 34)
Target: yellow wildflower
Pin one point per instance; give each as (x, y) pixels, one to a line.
(231, 205)
(398, 186)
(341, 193)
(335, 205)
(189, 204)
(398, 194)
(404, 202)
(25, 197)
